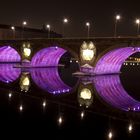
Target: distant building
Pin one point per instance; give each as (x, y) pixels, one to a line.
(22, 33)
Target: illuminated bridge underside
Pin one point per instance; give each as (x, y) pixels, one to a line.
(49, 80)
(112, 61)
(48, 57)
(112, 91)
(8, 54)
(8, 73)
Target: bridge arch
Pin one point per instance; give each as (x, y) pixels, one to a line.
(9, 54)
(112, 61)
(49, 56)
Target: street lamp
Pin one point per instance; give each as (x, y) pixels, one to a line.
(48, 27)
(117, 18)
(13, 29)
(88, 27)
(138, 25)
(65, 21)
(24, 23)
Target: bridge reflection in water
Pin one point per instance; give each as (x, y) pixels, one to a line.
(50, 81)
(109, 88)
(50, 85)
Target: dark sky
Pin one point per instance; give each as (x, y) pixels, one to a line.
(99, 12)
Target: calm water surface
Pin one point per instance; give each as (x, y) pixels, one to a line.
(53, 98)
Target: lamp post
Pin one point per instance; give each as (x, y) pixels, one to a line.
(48, 28)
(24, 23)
(13, 30)
(88, 27)
(138, 25)
(117, 18)
(65, 21)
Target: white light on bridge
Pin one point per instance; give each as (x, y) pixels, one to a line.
(87, 24)
(12, 27)
(88, 51)
(88, 54)
(27, 52)
(24, 23)
(48, 26)
(137, 21)
(118, 17)
(65, 20)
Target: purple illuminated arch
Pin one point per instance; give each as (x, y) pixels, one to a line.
(8, 73)
(49, 80)
(112, 61)
(9, 54)
(48, 56)
(111, 90)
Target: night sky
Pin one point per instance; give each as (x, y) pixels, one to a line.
(100, 13)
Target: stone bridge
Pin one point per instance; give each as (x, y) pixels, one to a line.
(109, 51)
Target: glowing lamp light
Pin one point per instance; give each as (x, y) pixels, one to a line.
(118, 17)
(27, 52)
(88, 51)
(91, 45)
(82, 114)
(10, 95)
(44, 104)
(137, 21)
(84, 45)
(130, 128)
(24, 23)
(48, 26)
(87, 24)
(110, 135)
(26, 81)
(12, 27)
(21, 108)
(85, 94)
(65, 20)
(87, 54)
(60, 120)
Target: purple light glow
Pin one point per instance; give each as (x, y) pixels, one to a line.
(8, 73)
(112, 61)
(111, 90)
(9, 54)
(49, 80)
(48, 57)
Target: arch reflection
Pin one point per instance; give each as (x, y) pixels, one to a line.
(85, 95)
(49, 80)
(8, 73)
(25, 81)
(111, 90)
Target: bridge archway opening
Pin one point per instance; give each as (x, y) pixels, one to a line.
(9, 54)
(112, 61)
